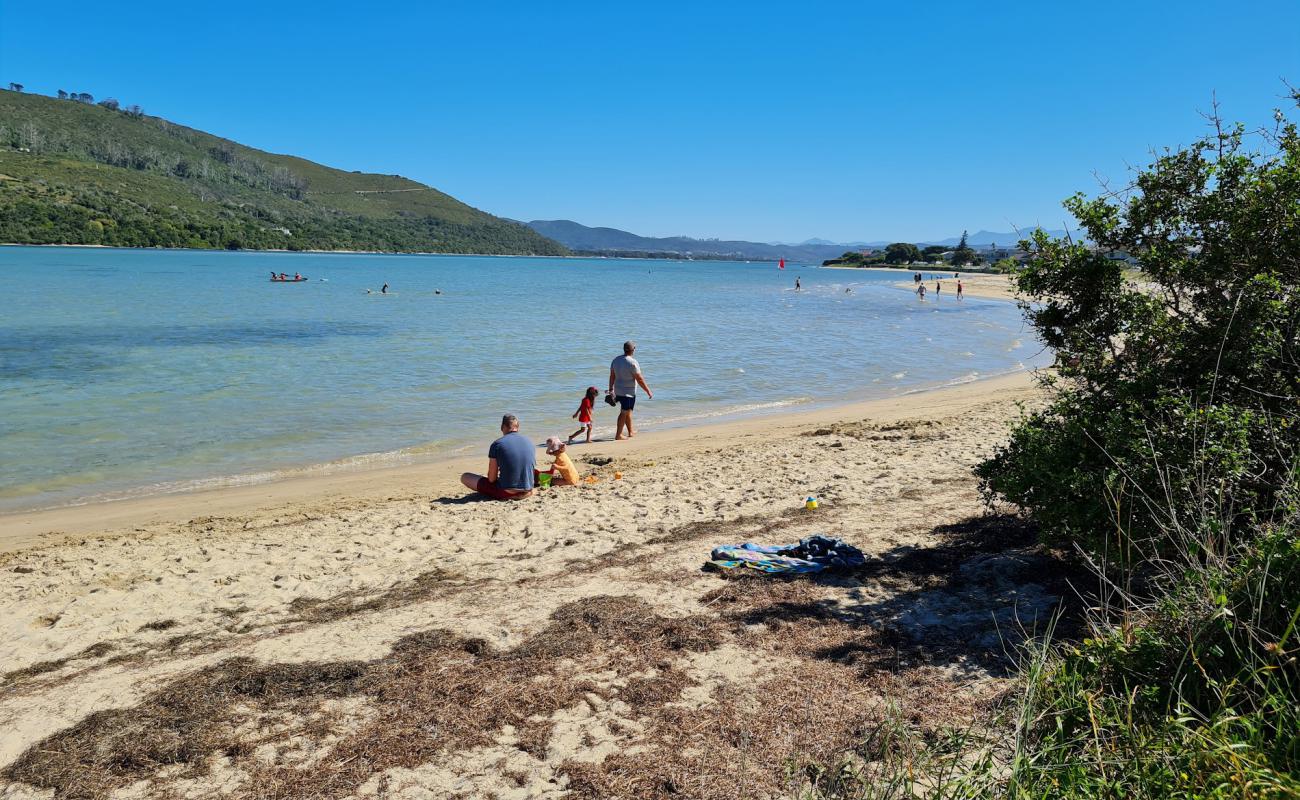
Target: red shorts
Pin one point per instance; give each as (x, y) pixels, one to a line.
(490, 489)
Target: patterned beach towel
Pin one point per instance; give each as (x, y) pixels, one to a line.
(813, 554)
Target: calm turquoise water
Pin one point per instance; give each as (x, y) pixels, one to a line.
(127, 372)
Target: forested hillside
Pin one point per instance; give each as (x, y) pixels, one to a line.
(74, 172)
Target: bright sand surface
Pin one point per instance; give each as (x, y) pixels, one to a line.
(610, 663)
(993, 287)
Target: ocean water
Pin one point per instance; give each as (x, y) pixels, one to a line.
(130, 372)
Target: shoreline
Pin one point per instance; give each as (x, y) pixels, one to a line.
(404, 253)
(364, 463)
(22, 529)
(596, 590)
(985, 285)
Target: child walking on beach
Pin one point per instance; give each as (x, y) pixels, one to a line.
(583, 414)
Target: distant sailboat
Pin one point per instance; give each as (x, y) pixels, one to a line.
(782, 264)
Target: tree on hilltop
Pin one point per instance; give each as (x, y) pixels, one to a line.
(62, 95)
(110, 103)
(15, 87)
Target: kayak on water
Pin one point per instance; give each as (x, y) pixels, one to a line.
(287, 280)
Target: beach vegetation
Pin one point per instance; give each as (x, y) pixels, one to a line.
(902, 253)
(1174, 399)
(1165, 462)
(1167, 459)
(1006, 266)
(964, 254)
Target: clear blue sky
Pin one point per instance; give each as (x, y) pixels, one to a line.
(765, 121)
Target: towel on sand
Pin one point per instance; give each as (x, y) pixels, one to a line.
(814, 554)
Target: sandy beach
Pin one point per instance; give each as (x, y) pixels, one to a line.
(382, 634)
(993, 287)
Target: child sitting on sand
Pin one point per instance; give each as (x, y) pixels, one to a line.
(562, 469)
(583, 414)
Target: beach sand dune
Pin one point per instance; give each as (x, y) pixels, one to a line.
(416, 643)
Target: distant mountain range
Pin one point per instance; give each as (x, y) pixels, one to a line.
(988, 238)
(584, 238)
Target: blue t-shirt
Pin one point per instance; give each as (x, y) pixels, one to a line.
(516, 457)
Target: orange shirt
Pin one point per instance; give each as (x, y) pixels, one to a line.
(564, 466)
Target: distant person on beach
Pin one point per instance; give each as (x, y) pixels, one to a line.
(562, 469)
(938, 286)
(797, 285)
(624, 375)
(916, 278)
(920, 290)
(511, 462)
(583, 414)
(959, 290)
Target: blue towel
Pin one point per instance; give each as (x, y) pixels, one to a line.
(813, 554)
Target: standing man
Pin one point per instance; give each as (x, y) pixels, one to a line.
(624, 375)
(511, 460)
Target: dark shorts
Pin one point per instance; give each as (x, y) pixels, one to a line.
(490, 489)
(627, 401)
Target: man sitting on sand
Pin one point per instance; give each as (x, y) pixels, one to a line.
(511, 460)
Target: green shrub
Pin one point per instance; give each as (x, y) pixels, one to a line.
(1175, 396)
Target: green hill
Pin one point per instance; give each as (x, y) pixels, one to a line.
(76, 173)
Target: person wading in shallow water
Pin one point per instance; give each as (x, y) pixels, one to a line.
(624, 375)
